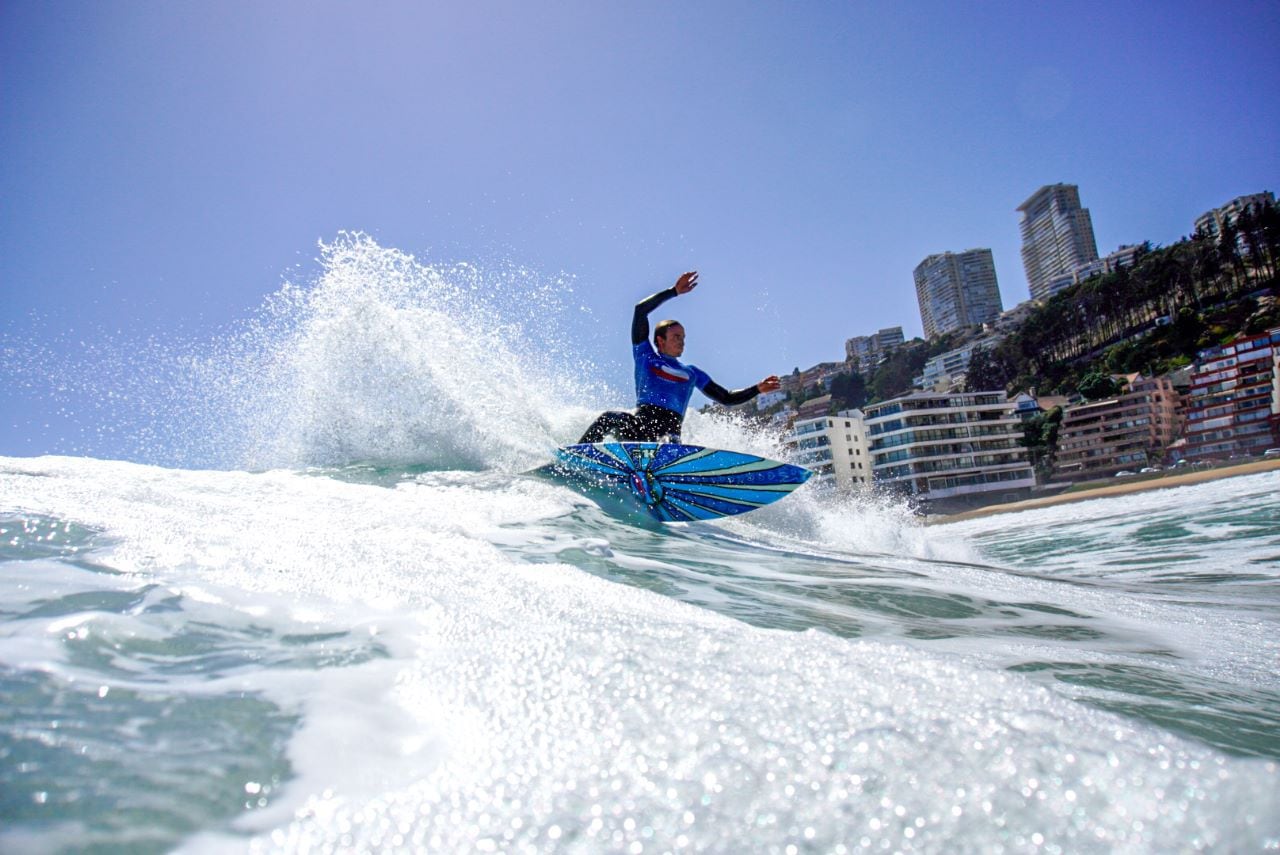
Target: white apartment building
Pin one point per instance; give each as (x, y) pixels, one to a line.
(1210, 223)
(1125, 256)
(947, 370)
(948, 445)
(768, 399)
(834, 447)
(956, 290)
(1057, 237)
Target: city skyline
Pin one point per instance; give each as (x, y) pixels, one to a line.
(1124, 255)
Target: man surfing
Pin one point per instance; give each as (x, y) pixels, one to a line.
(664, 384)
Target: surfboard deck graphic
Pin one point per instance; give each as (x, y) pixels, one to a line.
(679, 483)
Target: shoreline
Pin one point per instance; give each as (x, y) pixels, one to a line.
(1160, 482)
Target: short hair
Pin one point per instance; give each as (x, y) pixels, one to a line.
(660, 331)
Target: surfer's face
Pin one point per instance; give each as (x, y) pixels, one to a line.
(672, 343)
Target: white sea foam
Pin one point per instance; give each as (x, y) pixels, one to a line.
(532, 705)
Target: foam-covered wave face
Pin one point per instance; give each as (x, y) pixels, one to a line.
(428, 668)
(388, 360)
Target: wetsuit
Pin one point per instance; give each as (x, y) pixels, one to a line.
(664, 385)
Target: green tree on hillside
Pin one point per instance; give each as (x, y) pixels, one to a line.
(1095, 386)
(848, 391)
(987, 372)
(1040, 436)
(1229, 250)
(895, 374)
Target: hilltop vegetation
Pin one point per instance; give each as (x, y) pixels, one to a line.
(1153, 317)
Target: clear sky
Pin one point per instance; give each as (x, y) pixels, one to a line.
(164, 165)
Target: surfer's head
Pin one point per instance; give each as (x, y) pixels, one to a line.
(668, 338)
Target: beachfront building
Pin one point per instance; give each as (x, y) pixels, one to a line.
(1275, 390)
(1057, 238)
(956, 290)
(1130, 431)
(834, 447)
(1231, 408)
(954, 448)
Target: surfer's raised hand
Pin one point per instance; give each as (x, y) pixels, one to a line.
(769, 384)
(687, 282)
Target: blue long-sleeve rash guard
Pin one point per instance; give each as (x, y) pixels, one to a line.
(664, 381)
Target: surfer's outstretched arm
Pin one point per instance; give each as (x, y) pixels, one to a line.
(721, 395)
(640, 320)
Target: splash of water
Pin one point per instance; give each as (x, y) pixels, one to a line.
(389, 360)
(379, 358)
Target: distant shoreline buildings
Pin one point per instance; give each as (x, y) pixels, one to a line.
(1234, 398)
(949, 445)
(953, 449)
(1130, 430)
(867, 350)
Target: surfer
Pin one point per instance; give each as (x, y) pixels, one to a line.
(664, 384)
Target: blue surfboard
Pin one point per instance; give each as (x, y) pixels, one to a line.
(677, 483)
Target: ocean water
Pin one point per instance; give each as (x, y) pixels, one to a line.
(322, 608)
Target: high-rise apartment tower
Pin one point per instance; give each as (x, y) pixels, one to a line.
(1057, 237)
(957, 290)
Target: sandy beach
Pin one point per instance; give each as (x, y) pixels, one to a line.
(1156, 482)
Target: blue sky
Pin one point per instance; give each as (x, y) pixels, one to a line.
(164, 165)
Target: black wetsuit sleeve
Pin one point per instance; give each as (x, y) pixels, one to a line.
(640, 320)
(721, 395)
